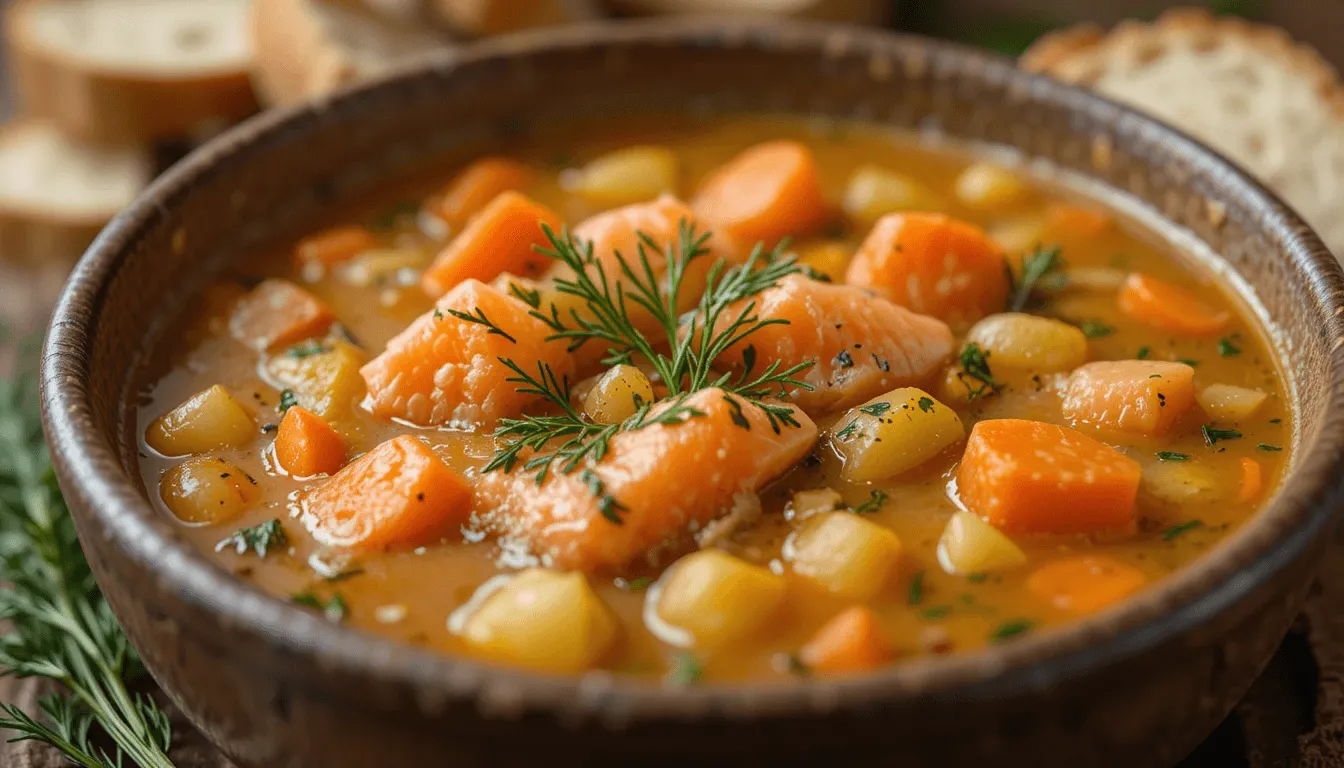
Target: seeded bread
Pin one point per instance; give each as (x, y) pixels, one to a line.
(1249, 91)
(56, 193)
(118, 71)
(305, 48)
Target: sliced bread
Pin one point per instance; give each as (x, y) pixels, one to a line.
(56, 193)
(120, 71)
(305, 48)
(1249, 91)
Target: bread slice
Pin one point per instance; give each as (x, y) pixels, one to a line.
(853, 11)
(56, 193)
(119, 71)
(1248, 91)
(305, 48)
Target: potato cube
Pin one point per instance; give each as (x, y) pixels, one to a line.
(1030, 343)
(718, 599)
(324, 379)
(617, 394)
(970, 545)
(848, 555)
(988, 187)
(1225, 402)
(547, 620)
(207, 491)
(207, 421)
(631, 175)
(894, 433)
(1181, 482)
(873, 192)
(805, 504)
(1018, 235)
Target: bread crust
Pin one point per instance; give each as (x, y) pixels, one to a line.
(110, 106)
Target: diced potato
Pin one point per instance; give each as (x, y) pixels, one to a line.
(326, 382)
(207, 421)
(970, 545)
(988, 187)
(827, 258)
(808, 503)
(873, 192)
(894, 433)
(848, 555)
(1181, 482)
(396, 266)
(1018, 235)
(207, 491)
(630, 175)
(543, 619)
(617, 394)
(1225, 402)
(1030, 343)
(1094, 278)
(718, 599)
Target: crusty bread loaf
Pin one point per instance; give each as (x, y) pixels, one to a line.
(1248, 91)
(56, 193)
(305, 48)
(855, 11)
(118, 71)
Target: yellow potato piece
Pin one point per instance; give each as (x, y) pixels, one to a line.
(894, 433)
(542, 619)
(207, 421)
(207, 491)
(970, 545)
(325, 382)
(1180, 482)
(826, 258)
(617, 394)
(988, 187)
(1030, 343)
(1225, 402)
(850, 556)
(630, 175)
(808, 503)
(718, 599)
(873, 192)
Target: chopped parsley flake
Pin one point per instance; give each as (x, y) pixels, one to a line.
(916, 594)
(334, 609)
(1212, 436)
(1228, 349)
(1093, 329)
(876, 409)
(1172, 456)
(875, 501)
(686, 669)
(926, 404)
(1143, 353)
(287, 400)
(1177, 530)
(1010, 629)
(259, 539)
(1268, 447)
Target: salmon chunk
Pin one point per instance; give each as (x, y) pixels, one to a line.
(445, 370)
(862, 345)
(1141, 397)
(654, 486)
(278, 313)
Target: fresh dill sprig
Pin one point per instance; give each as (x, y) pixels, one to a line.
(695, 342)
(59, 626)
(1036, 266)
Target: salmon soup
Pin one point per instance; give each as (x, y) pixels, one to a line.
(716, 399)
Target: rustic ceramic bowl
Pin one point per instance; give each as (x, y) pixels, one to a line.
(274, 685)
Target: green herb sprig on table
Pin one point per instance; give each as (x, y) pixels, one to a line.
(60, 628)
(696, 341)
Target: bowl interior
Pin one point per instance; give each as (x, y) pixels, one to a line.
(287, 167)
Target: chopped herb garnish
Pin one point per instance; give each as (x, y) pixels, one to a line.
(1010, 629)
(1228, 349)
(1035, 266)
(1093, 329)
(259, 539)
(1268, 447)
(307, 349)
(933, 613)
(638, 584)
(843, 359)
(287, 400)
(1212, 436)
(334, 609)
(975, 364)
(438, 314)
(976, 578)
(1172, 456)
(851, 429)
(1276, 421)
(348, 573)
(1177, 530)
(1143, 353)
(875, 501)
(916, 594)
(1190, 361)
(926, 404)
(797, 666)
(876, 409)
(606, 503)
(686, 669)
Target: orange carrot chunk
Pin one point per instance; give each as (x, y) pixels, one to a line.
(1072, 222)
(1085, 583)
(853, 641)
(498, 239)
(278, 313)
(934, 265)
(333, 246)
(1142, 397)
(306, 445)
(446, 370)
(398, 495)
(769, 192)
(478, 184)
(1030, 477)
(1169, 307)
(1252, 480)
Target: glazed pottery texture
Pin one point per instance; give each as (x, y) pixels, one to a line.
(275, 685)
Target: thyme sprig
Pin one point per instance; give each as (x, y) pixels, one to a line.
(1037, 267)
(60, 628)
(696, 341)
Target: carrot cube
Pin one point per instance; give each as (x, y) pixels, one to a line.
(1143, 397)
(333, 246)
(1085, 583)
(500, 238)
(400, 494)
(1169, 307)
(306, 445)
(278, 313)
(478, 184)
(853, 641)
(1030, 477)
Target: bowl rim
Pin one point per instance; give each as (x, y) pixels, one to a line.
(90, 471)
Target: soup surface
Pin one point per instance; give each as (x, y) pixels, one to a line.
(973, 408)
